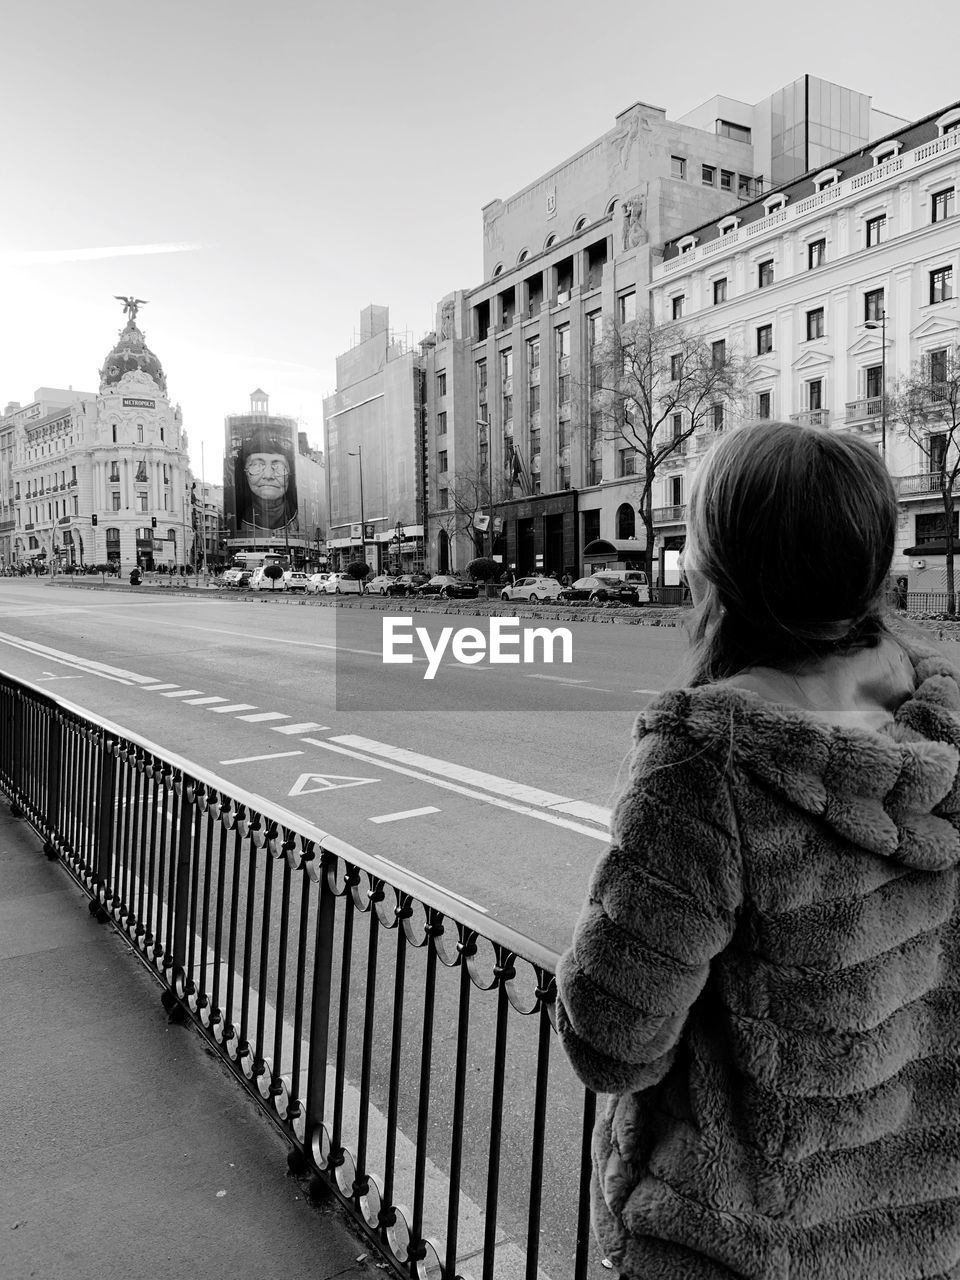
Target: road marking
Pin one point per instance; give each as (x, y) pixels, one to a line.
(327, 782)
(180, 693)
(276, 755)
(234, 706)
(260, 716)
(200, 702)
(49, 675)
(543, 815)
(407, 813)
(86, 665)
(307, 727)
(653, 692)
(561, 679)
(155, 688)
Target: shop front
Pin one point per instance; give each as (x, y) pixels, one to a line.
(539, 534)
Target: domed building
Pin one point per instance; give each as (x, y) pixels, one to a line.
(105, 478)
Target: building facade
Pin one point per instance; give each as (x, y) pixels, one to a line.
(104, 479)
(510, 368)
(373, 440)
(836, 285)
(274, 486)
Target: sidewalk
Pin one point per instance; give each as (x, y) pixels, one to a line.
(127, 1149)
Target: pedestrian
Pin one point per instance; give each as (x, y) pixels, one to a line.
(765, 978)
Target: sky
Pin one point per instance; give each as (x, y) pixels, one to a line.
(261, 171)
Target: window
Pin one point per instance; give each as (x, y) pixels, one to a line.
(626, 308)
(161, 435)
(563, 342)
(534, 442)
(726, 180)
(738, 132)
(719, 291)
(114, 430)
(941, 205)
(938, 365)
(563, 434)
(442, 383)
(716, 417)
(506, 365)
(533, 353)
(931, 527)
(678, 167)
(765, 273)
(937, 451)
(142, 472)
(139, 433)
(744, 182)
(874, 381)
(595, 427)
(816, 254)
(873, 304)
(718, 352)
(533, 398)
(441, 461)
(676, 367)
(594, 328)
(941, 284)
(708, 175)
(115, 472)
(763, 404)
(442, 423)
(76, 506)
(677, 307)
(764, 339)
(481, 375)
(626, 462)
(876, 230)
(73, 475)
(815, 393)
(142, 500)
(815, 324)
(596, 470)
(563, 389)
(443, 499)
(508, 408)
(115, 496)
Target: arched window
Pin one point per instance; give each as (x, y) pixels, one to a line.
(113, 535)
(443, 552)
(497, 269)
(626, 521)
(611, 207)
(522, 256)
(550, 241)
(579, 225)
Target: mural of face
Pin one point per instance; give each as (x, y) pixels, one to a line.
(267, 475)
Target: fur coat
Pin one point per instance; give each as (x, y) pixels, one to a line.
(765, 981)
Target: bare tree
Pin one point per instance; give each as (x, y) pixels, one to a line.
(651, 387)
(468, 497)
(926, 405)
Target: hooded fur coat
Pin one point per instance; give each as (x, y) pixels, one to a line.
(765, 980)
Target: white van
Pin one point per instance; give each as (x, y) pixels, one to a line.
(636, 577)
(260, 582)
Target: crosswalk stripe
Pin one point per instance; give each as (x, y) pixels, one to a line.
(234, 706)
(307, 727)
(180, 693)
(155, 688)
(200, 702)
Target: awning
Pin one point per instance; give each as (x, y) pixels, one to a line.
(618, 547)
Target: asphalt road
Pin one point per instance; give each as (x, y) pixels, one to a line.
(491, 780)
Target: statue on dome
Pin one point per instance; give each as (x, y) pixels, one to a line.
(131, 305)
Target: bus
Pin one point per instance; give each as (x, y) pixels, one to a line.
(257, 559)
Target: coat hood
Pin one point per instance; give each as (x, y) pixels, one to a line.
(893, 792)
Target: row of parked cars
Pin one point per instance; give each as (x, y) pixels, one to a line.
(626, 586)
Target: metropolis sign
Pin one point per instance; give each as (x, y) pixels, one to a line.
(132, 402)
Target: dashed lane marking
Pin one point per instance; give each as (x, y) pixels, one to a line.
(234, 706)
(307, 727)
(407, 813)
(155, 688)
(180, 693)
(201, 702)
(260, 716)
(273, 755)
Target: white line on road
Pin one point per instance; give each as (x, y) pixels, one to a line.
(561, 679)
(260, 716)
(180, 693)
(201, 702)
(307, 727)
(543, 815)
(155, 688)
(275, 755)
(652, 692)
(234, 706)
(407, 813)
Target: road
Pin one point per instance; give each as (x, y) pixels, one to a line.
(491, 780)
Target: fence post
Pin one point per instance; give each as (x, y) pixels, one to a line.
(16, 808)
(53, 785)
(181, 896)
(320, 1012)
(106, 795)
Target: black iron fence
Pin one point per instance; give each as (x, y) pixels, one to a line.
(401, 1039)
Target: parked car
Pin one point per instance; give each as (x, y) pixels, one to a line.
(633, 577)
(243, 582)
(295, 580)
(599, 587)
(446, 586)
(260, 581)
(533, 589)
(315, 583)
(379, 586)
(230, 577)
(338, 584)
(407, 584)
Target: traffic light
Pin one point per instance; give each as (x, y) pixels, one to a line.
(93, 520)
(153, 522)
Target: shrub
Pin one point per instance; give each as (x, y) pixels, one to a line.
(358, 569)
(274, 574)
(483, 569)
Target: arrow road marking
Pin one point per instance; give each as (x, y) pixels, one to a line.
(326, 782)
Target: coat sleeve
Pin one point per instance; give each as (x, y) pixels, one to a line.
(662, 902)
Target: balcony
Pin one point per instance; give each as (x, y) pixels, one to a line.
(864, 410)
(670, 515)
(812, 418)
(923, 485)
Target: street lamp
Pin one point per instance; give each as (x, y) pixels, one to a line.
(399, 533)
(882, 326)
(363, 527)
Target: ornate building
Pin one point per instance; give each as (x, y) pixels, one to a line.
(106, 478)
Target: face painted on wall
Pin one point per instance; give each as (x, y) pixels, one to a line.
(267, 475)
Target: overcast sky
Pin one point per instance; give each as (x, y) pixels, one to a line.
(260, 170)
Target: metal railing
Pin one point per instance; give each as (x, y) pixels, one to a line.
(400, 1038)
(670, 515)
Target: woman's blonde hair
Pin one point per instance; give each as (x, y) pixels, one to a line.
(794, 530)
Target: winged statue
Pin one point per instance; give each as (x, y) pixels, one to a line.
(131, 305)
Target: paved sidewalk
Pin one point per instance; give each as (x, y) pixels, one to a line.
(127, 1150)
